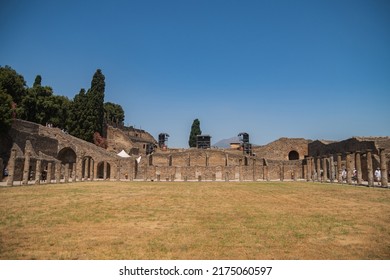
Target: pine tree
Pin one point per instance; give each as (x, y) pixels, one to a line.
(195, 130)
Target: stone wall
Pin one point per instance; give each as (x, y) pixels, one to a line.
(131, 140)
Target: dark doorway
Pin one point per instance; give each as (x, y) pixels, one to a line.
(293, 155)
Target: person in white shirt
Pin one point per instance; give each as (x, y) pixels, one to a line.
(377, 175)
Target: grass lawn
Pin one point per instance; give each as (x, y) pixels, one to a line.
(194, 220)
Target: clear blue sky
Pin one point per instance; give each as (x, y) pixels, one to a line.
(311, 69)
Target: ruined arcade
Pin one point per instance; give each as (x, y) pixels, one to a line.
(35, 154)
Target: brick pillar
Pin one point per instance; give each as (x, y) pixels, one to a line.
(370, 175)
(26, 168)
(11, 167)
(339, 169)
(318, 169)
(383, 166)
(38, 172)
(358, 166)
(325, 168)
(48, 175)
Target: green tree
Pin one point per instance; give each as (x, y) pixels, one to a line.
(95, 104)
(77, 121)
(87, 110)
(113, 114)
(12, 83)
(37, 81)
(38, 104)
(5, 111)
(195, 130)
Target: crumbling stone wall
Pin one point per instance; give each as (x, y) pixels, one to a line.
(128, 139)
(281, 148)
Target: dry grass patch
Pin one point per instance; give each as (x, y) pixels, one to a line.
(202, 220)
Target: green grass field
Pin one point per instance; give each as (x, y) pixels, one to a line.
(194, 220)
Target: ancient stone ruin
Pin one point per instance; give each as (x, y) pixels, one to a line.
(35, 154)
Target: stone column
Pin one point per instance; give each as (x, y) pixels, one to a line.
(312, 162)
(74, 169)
(318, 169)
(66, 173)
(26, 168)
(331, 169)
(48, 175)
(57, 175)
(281, 172)
(265, 170)
(349, 168)
(38, 172)
(383, 166)
(339, 169)
(325, 168)
(118, 170)
(310, 169)
(11, 167)
(254, 169)
(104, 170)
(88, 169)
(306, 170)
(370, 175)
(94, 170)
(358, 166)
(79, 168)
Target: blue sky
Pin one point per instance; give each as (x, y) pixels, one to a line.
(311, 69)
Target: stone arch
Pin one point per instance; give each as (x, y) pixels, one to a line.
(293, 155)
(103, 170)
(87, 167)
(67, 155)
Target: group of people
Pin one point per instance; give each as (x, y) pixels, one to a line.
(377, 175)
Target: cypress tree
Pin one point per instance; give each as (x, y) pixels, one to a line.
(195, 130)
(95, 104)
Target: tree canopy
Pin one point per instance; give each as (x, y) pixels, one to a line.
(12, 83)
(83, 117)
(5, 111)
